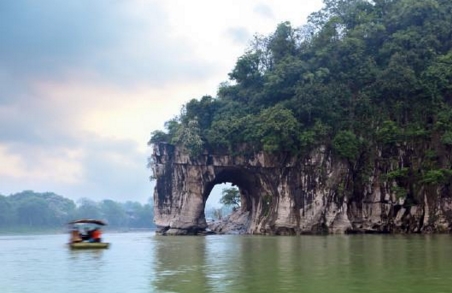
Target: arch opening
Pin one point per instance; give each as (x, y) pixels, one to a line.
(214, 208)
(227, 220)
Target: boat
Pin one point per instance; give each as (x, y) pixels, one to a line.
(89, 245)
(85, 234)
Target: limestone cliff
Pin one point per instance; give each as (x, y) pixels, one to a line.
(286, 195)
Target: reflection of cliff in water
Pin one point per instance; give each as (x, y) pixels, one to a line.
(231, 263)
(177, 269)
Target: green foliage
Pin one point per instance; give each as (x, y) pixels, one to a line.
(88, 208)
(389, 133)
(277, 130)
(113, 213)
(138, 215)
(230, 197)
(307, 139)
(247, 70)
(444, 120)
(158, 136)
(283, 42)
(398, 174)
(438, 176)
(189, 136)
(32, 210)
(5, 211)
(362, 77)
(447, 138)
(400, 192)
(347, 145)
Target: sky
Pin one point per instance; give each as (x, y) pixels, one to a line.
(84, 83)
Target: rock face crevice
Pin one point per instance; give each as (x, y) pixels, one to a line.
(283, 195)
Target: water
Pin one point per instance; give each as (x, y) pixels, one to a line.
(143, 262)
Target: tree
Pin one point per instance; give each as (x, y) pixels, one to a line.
(347, 145)
(113, 213)
(189, 136)
(278, 130)
(218, 213)
(158, 136)
(88, 209)
(34, 212)
(5, 212)
(230, 197)
(49, 210)
(248, 69)
(283, 42)
(140, 216)
(363, 78)
(40, 209)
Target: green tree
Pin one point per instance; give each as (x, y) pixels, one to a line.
(347, 145)
(113, 213)
(88, 209)
(230, 197)
(47, 209)
(34, 212)
(6, 215)
(278, 130)
(363, 78)
(140, 216)
(189, 136)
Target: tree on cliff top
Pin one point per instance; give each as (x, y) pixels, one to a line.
(355, 66)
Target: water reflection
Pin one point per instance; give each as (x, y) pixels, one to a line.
(85, 254)
(179, 264)
(249, 263)
(145, 263)
(302, 264)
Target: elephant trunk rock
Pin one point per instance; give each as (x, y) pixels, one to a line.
(286, 195)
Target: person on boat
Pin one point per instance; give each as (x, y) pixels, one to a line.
(95, 235)
(86, 234)
(75, 236)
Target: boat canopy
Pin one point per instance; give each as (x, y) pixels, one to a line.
(88, 221)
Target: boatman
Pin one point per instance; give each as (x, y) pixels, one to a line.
(75, 236)
(95, 235)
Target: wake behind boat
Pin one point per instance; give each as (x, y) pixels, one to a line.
(86, 234)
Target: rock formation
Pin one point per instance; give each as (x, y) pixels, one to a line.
(285, 195)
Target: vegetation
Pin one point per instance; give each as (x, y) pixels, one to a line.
(230, 197)
(362, 77)
(28, 210)
(230, 200)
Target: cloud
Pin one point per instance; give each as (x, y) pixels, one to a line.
(115, 169)
(239, 35)
(97, 168)
(264, 10)
(83, 83)
(119, 41)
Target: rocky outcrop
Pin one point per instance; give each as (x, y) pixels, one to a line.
(235, 223)
(285, 195)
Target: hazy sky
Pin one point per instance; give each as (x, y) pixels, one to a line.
(83, 83)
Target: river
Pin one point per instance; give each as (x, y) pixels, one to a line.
(144, 262)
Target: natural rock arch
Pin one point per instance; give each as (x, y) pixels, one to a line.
(284, 195)
(243, 179)
(273, 194)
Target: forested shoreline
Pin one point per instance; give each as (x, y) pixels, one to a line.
(29, 211)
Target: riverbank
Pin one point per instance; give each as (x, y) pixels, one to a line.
(63, 230)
